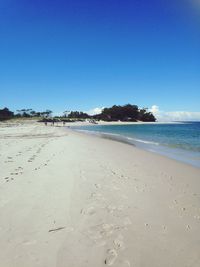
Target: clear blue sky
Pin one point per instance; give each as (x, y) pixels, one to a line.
(80, 54)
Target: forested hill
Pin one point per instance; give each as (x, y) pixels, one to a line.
(125, 113)
(115, 113)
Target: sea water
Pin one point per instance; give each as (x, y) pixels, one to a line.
(180, 141)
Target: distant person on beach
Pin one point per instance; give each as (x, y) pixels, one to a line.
(45, 123)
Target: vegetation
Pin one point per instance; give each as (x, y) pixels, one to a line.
(125, 113)
(115, 113)
(6, 114)
(144, 115)
(78, 115)
(29, 113)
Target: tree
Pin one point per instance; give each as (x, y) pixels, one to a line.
(145, 115)
(124, 113)
(33, 113)
(6, 114)
(24, 112)
(65, 113)
(127, 112)
(46, 114)
(78, 115)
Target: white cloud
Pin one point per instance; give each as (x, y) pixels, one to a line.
(174, 115)
(155, 109)
(95, 111)
(183, 115)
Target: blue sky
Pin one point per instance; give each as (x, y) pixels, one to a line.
(78, 55)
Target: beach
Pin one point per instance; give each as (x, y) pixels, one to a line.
(68, 199)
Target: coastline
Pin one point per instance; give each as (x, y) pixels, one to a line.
(86, 123)
(72, 199)
(180, 155)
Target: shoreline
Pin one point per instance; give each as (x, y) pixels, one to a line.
(87, 123)
(70, 199)
(180, 155)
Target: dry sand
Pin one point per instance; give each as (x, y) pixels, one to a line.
(72, 200)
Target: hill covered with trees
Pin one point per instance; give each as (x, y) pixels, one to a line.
(115, 113)
(125, 113)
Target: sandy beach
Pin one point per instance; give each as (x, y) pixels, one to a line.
(68, 199)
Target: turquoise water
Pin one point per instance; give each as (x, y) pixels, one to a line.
(176, 140)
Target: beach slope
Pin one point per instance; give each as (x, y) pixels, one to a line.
(72, 200)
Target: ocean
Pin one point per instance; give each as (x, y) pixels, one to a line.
(180, 141)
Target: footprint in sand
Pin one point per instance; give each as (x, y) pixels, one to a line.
(175, 201)
(7, 161)
(97, 196)
(88, 211)
(111, 257)
(124, 177)
(97, 186)
(111, 209)
(107, 229)
(19, 169)
(164, 228)
(7, 179)
(31, 159)
(119, 243)
(101, 231)
(114, 173)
